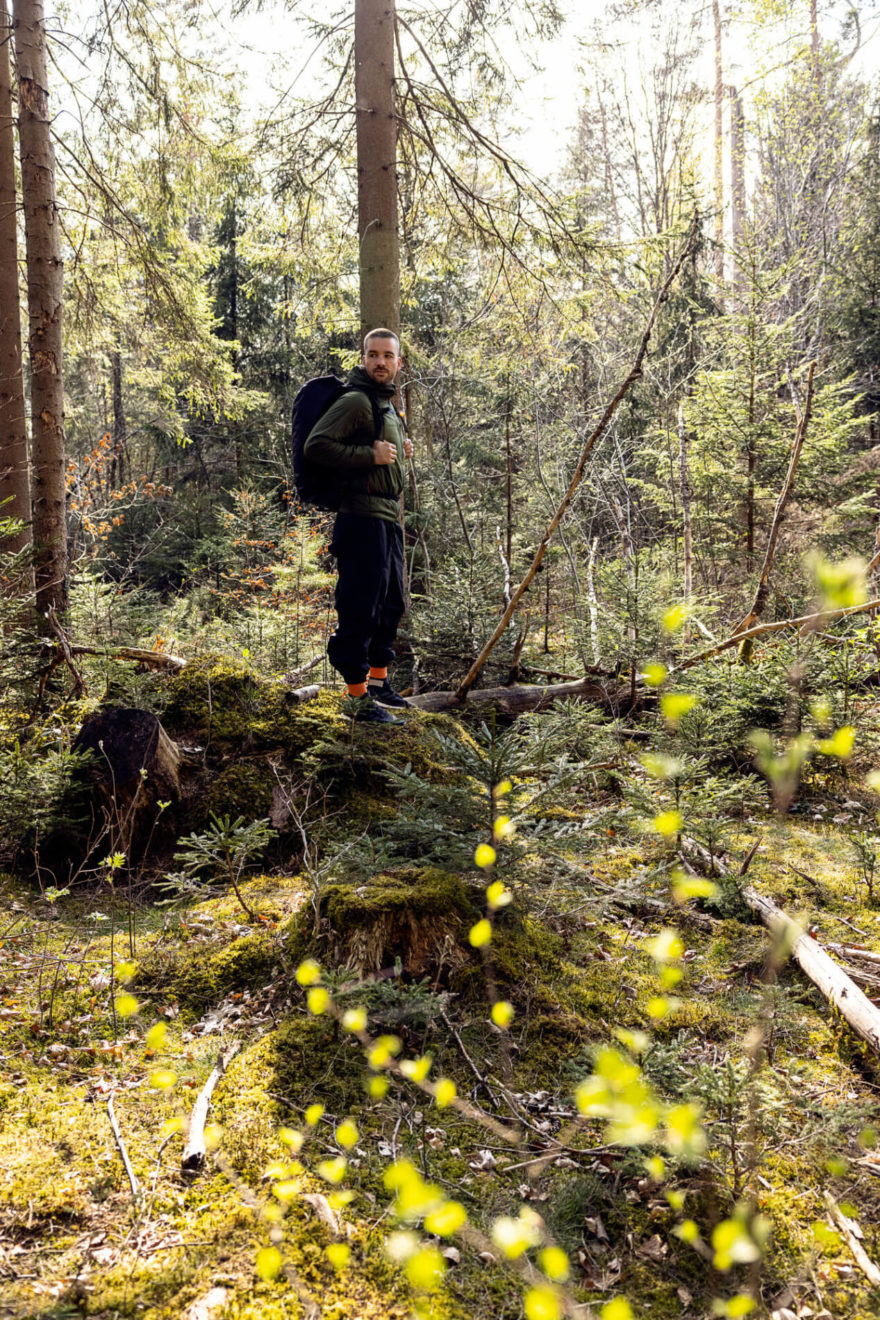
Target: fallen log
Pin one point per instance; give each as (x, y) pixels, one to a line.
(829, 978)
(298, 695)
(196, 1148)
(818, 966)
(521, 697)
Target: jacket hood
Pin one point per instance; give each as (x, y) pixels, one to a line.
(358, 376)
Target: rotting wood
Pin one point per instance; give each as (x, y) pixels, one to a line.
(588, 446)
(522, 697)
(194, 1151)
(134, 767)
(121, 1147)
(850, 1231)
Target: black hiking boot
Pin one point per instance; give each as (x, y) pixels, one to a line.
(363, 710)
(383, 693)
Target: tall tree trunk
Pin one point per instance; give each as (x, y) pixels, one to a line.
(117, 469)
(593, 601)
(377, 164)
(719, 146)
(44, 278)
(737, 180)
(685, 489)
(814, 43)
(15, 491)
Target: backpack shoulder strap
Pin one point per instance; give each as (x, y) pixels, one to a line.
(378, 419)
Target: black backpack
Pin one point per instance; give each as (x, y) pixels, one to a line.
(315, 484)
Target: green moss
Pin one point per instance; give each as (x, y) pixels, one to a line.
(199, 976)
(243, 789)
(221, 701)
(311, 1060)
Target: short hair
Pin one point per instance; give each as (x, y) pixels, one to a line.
(382, 333)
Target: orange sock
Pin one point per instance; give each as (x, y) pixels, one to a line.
(379, 674)
(357, 689)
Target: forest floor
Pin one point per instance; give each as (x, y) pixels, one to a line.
(787, 1120)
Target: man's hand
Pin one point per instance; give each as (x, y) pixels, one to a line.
(407, 448)
(384, 452)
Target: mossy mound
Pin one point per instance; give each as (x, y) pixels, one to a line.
(242, 789)
(356, 764)
(419, 916)
(218, 700)
(198, 976)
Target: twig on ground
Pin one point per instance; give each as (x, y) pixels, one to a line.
(851, 1232)
(493, 1100)
(126, 1162)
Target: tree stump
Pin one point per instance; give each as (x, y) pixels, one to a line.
(135, 767)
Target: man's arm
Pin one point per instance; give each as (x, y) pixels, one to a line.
(337, 439)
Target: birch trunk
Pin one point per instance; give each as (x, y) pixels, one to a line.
(15, 491)
(44, 280)
(376, 122)
(592, 601)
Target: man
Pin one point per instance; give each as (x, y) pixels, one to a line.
(367, 537)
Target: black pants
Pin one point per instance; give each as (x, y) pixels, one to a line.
(369, 593)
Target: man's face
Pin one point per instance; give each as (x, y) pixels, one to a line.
(381, 361)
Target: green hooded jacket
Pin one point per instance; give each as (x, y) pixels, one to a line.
(343, 439)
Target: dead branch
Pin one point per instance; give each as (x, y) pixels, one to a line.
(295, 675)
(136, 654)
(66, 653)
(195, 1149)
(121, 1147)
(763, 588)
(805, 622)
(818, 966)
(828, 977)
(854, 954)
(851, 1233)
(633, 375)
(469, 1061)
